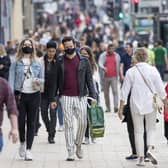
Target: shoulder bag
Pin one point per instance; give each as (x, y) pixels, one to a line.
(157, 102)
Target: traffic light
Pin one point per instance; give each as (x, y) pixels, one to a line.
(120, 15)
(136, 3)
(110, 9)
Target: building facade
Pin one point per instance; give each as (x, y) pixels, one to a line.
(11, 23)
(5, 20)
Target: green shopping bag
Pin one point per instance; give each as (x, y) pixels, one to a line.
(96, 121)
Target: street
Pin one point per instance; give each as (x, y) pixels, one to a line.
(108, 152)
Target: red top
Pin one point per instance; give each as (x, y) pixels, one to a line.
(71, 76)
(110, 65)
(166, 114)
(7, 98)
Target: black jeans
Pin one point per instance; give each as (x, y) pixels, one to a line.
(130, 129)
(166, 129)
(49, 116)
(28, 107)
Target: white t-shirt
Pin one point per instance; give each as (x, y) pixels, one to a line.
(28, 77)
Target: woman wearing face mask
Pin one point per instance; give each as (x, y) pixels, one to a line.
(86, 51)
(4, 63)
(26, 78)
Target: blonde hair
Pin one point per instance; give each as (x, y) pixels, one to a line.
(140, 55)
(20, 53)
(2, 50)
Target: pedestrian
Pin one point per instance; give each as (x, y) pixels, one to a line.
(141, 81)
(126, 60)
(125, 64)
(7, 98)
(161, 61)
(4, 63)
(74, 82)
(11, 49)
(87, 52)
(49, 115)
(151, 54)
(26, 79)
(109, 61)
(166, 118)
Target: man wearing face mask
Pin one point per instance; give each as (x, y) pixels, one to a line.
(74, 82)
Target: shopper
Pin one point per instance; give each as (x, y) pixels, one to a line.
(26, 79)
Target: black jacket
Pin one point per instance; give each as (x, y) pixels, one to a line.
(4, 73)
(50, 72)
(85, 80)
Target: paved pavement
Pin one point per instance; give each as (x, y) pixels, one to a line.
(108, 152)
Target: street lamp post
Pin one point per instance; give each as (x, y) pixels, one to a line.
(87, 5)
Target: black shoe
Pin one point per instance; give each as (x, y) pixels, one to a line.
(69, 159)
(51, 140)
(131, 157)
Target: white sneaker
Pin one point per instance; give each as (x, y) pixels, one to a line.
(93, 140)
(61, 128)
(86, 141)
(79, 152)
(152, 158)
(22, 149)
(140, 161)
(28, 155)
(71, 156)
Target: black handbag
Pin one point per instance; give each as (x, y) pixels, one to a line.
(18, 95)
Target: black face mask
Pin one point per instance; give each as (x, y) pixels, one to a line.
(27, 50)
(70, 51)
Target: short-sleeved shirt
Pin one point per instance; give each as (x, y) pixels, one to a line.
(7, 98)
(126, 60)
(160, 53)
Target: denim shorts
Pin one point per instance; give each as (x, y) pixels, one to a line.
(1, 142)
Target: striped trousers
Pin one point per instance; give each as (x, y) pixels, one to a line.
(74, 106)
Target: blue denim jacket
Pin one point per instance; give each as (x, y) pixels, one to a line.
(16, 73)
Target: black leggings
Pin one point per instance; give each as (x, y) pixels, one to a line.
(28, 108)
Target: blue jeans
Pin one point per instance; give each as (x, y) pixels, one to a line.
(161, 69)
(1, 143)
(60, 113)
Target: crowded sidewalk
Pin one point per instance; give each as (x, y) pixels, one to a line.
(108, 152)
